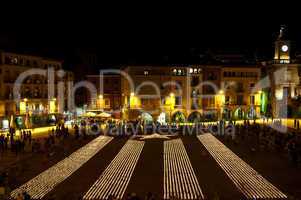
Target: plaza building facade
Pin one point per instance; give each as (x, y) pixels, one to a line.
(281, 84)
(34, 100)
(225, 87)
(242, 97)
(109, 99)
(180, 93)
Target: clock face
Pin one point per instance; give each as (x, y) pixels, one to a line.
(284, 48)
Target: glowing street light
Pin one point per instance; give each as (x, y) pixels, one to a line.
(100, 102)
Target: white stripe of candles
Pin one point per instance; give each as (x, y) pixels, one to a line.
(42, 184)
(179, 178)
(115, 179)
(245, 178)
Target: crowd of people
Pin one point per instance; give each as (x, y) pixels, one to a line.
(24, 145)
(270, 138)
(260, 136)
(18, 144)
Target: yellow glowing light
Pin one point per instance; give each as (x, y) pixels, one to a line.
(54, 99)
(100, 96)
(25, 99)
(279, 93)
(100, 102)
(220, 98)
(52, 106)
(258, 98)
(170, 101)
(22, 108)
(134, 101)
(132, 94)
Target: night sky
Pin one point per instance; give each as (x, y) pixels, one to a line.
(147, 43)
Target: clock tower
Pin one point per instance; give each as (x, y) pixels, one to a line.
(282, 48)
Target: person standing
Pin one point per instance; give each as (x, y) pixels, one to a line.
(295, 123)
(12, 132)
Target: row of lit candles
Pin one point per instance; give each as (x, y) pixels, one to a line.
(43, 183)
(245, 178)
(179, 178)
(115, 179)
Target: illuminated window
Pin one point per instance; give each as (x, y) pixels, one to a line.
(190, 70)
(279, 93)
(145, 72)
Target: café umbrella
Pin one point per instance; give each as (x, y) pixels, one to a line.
(89, 114)
(104, 115)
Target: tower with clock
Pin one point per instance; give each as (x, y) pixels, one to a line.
(282, 48)
(284, 78)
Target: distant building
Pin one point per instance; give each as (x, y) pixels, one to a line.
(283, 88)
(181, 93)
(228, 86)
(34, 92)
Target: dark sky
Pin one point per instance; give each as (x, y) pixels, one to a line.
(124, 42)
